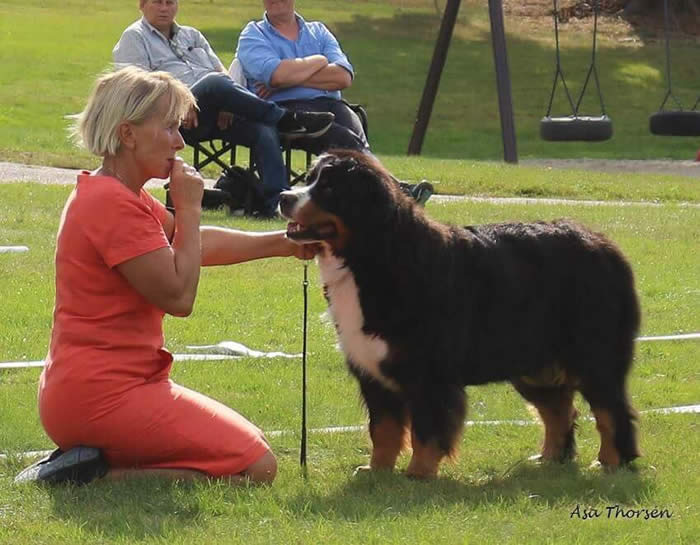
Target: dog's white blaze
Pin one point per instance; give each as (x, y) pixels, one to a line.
(365, 351)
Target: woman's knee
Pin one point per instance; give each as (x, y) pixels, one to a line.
(263, 470)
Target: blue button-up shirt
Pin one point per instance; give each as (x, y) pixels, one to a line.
(261, 48)
(187, 55)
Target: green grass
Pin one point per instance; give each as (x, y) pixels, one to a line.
(50, 52)
(490, 494)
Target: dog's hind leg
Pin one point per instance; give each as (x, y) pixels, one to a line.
(437, 419)
(616, 424)
(556, 409)
(388, 422)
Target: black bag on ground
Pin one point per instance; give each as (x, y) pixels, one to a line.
(243, 187)
(237, 187)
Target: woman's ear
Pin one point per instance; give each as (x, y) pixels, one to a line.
(125, 131)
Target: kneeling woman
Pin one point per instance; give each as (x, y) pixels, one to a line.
(122, 262)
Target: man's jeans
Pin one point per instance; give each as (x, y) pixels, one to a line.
(254, 126)
(345, 132)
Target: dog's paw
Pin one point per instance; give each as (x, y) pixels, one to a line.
(420, 476)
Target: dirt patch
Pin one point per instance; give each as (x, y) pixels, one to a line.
(614, 22)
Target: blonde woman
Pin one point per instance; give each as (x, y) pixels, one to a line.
(122, 262)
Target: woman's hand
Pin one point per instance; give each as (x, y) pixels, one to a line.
(304, 251)
(186, 186)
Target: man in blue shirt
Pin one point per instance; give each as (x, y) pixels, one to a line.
(300, 65)
(226, 110)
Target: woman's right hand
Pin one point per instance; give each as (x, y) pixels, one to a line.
(186, 186)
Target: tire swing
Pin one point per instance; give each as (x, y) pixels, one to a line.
(576, 127)
(678, 122)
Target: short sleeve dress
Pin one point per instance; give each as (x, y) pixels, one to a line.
(106, 380)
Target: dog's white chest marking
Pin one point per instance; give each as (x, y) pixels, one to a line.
(366, 352)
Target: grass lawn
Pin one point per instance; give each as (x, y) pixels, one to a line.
(50, 52)
(489, 494)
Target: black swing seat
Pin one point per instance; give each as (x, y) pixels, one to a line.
(580, 127)
(675, 123)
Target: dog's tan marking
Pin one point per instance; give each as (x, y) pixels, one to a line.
(604, 423)
(425, 460)
(388, 438)
(365, 352)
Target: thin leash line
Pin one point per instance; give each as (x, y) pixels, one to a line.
(302, 449)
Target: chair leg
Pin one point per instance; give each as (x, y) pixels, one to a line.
(196, 158)
(288, 163)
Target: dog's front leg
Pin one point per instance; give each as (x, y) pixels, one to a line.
(388, 422)
(437, 414)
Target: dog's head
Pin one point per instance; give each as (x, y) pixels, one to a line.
(347, 193)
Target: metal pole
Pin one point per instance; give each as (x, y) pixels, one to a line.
(433, 80)
(505, 101)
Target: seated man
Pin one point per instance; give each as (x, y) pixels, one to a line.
(226, 109)
(301, 66)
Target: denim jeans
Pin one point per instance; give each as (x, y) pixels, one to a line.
(254, 126)
(345, 132)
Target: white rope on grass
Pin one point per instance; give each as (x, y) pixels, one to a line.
(684, 409)
(680, 337)
(176, 357)
(240, 350)
(13, 249)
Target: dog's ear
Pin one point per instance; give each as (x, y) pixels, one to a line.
(357, 192)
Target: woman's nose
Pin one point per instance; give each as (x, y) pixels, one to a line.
(179, 142)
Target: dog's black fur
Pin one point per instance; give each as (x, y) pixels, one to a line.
(549, 306)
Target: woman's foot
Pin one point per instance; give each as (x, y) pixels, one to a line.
(79, 465)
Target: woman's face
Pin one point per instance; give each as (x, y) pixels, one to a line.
(157, 141)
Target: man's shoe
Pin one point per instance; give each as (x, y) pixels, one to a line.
(79, 465)
(294, 125)
(422, 191)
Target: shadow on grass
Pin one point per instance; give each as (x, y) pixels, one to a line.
(143, 508)
(133, 510)
(375, 495)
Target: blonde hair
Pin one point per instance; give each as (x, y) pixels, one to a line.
(127, 95)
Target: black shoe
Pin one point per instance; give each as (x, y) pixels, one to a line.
(304, 124)
(420, 192)
(79, 465)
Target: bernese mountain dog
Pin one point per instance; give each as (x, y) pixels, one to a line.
(423, 309)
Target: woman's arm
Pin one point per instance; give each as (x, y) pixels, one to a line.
(168, 277)
(227, 246)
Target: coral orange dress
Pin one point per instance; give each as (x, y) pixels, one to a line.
(106, 381)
